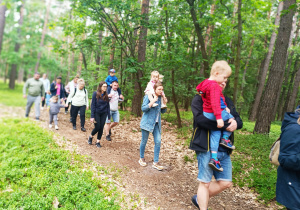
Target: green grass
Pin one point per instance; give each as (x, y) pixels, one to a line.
(34, 172)
(12, 97)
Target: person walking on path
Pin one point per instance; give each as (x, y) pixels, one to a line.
(288, 172)
(114, 109)
(200, 144)
(69, 88)
(151, 122)
(57, 89)
(55, 106)
(35, 93)
(46, 83)
(79, 102)
(99, 111)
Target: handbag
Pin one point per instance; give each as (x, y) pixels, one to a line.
(275, 148)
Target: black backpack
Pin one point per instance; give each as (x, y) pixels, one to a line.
(76, 90)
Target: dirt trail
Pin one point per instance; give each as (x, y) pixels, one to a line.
(170, 189)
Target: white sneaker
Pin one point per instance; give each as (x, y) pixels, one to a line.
(56, 127)
(154, 105)
(158, 167)
(163, 106)
(50, 126)
(42, 108)
(142, 163)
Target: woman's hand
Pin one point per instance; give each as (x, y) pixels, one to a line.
(87, 108)
(233, 125)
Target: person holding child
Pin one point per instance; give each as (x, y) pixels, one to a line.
(79, 102)
(215, 108)
(151, 122)
(54, 108)
(200, 144)
(100, 109)
(110, 79)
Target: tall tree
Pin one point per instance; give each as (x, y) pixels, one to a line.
(267, 104)
(2, 22)
(295, 90)
(237, 61)
(43, 36)
(13, 71)
(137, 98)
(264, 71)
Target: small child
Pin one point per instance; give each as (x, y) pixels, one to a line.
(215, 108)
(109, 80)
(54, 110)
(155, 77)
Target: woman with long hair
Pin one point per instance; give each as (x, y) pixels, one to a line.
(99, 111)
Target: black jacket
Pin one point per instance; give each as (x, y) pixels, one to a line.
(99, 106)
(54, 91)
(202, 125)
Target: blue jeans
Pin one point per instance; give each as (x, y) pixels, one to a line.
(115, 116)
(215, 135)
(205, 172)
(157, 140)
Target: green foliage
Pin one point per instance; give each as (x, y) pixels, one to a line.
(35, 172)
(12, 97)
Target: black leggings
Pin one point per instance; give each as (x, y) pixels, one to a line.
(75, 110)
(44, 100)
(100, 119)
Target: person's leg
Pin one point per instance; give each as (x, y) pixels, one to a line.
(203, 195)
(71, 112)
(82, 115)
(43, 101)
(97, 125)
(74, 114)
(30, 101)
(55, 119)
(37, 103)
(107, 128)
(157, 141)
(50, 118)
(116, 119)
(145, 136)
(102, 123)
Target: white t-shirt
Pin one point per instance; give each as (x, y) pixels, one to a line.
(114, 101)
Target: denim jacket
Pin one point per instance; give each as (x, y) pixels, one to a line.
(149, 114)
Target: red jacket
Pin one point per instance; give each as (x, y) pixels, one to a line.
(212, 93)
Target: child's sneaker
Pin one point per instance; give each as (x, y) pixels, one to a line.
(163, 106)
(142, 163)
(56, 127)
(158, 167)
(120, 100)
(215, 165)
(226, 143)
(50, 126)
(154, 105)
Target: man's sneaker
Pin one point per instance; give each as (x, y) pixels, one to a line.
(70, 119)
(195, 202)
(83, 129)
(142, 163)
(215, 165)
(154, 105)
(56, 127)
(26, 115)
(50, 126)
(158, 167)
(90, 140)
(74, 127)
(98, 144)
(66, 112)
(108, 138)
(226, 143)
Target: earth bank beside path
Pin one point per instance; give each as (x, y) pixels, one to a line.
(170, 189)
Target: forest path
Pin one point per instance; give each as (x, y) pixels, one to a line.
(171, 188)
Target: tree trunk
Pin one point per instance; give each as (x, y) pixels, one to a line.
(112, 53)
(210, 27)
(292, 101)
(264, 72)
(200, 37)
(237, 61)
(246, 66)
(13, 71)
(267, 104)
(2, 22)
(137, 98)
(20, 75)
(43, 37)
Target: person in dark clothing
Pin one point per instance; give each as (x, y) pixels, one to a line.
(100, 109)
(200, 143)
(288, 172)
(58, 89)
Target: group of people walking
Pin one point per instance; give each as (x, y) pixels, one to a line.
(214, 121)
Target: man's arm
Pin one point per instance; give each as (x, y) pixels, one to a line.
(25, 87)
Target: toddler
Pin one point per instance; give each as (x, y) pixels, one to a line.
(155, 77)
(54, 110)
(215, 108)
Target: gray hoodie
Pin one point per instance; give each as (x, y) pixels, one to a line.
(54, 107)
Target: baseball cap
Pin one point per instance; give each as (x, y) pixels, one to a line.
(112, 71)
